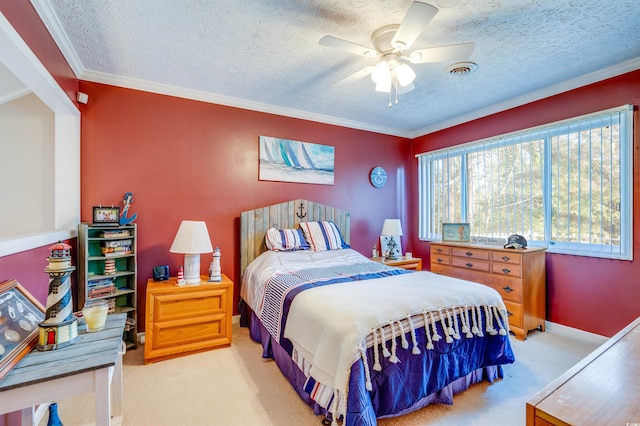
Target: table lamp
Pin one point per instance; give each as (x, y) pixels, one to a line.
(391, 228)
(192, 239)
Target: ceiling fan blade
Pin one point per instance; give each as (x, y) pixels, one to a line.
(414, 22)
(451, 53)
(355, 76)
(347, 46)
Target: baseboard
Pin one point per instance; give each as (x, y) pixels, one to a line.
(235, 319)
(575, 333)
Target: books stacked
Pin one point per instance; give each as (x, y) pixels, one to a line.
(116, 248)
(100, 288)
(116, 233)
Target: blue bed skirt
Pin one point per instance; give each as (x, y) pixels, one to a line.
(433, 376)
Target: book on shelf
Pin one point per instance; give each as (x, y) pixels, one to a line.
(116, 233)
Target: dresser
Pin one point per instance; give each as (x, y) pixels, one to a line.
(602, 389)
(186, 319)
(518, 275)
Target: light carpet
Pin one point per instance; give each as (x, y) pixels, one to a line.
(235, 386)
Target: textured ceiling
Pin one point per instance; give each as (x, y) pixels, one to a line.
(265, 55)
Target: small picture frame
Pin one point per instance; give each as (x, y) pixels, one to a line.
(106, 216)
(455, 232)
(384, 245)
(20, 314)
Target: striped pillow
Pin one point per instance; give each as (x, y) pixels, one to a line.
(323, 235)
(285, 240)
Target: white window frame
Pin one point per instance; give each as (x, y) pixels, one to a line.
(427, 229)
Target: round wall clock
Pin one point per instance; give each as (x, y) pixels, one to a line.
(378, 177)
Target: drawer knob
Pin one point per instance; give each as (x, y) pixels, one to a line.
(469, 265)
(509, 314)
(506, 270)
(439, 260)
(506, 258)
(507, 289)
(439, 250)
(469, 254)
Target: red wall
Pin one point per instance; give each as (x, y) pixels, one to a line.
(27, 23)
(596, 295)
(186, 159)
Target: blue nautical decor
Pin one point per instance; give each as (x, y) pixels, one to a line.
(124, 219)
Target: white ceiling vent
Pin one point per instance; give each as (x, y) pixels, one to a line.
(462, 68)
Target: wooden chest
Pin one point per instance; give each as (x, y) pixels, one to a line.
(602, 389)
(518, 275)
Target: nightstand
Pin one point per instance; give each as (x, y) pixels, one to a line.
(181, 320)
(413, 263)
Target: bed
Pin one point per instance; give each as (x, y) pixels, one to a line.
(359, 340)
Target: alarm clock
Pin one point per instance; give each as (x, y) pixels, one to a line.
(160, 273)
(378, 177)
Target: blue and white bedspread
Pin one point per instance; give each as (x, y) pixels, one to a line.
(371, 314)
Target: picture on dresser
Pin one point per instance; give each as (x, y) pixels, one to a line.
(20, 315)
(285, 160)
(455, 232)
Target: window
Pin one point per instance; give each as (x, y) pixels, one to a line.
(567, 185)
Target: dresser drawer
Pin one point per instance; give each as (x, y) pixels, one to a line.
(509, 288)
(471, 253)
(507, 257)
(473, 264)
(440, 259)
(514, 312)
(440, 250)
(506, 269)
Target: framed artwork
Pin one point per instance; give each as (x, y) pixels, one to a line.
(20, 315)
(106, 216)
(285, 160)
(455, 232)
(384, 245)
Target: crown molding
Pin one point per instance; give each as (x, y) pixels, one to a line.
(50, 19)
(594, 77)
(197, 95)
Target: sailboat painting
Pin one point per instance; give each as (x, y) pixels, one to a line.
(284, 160)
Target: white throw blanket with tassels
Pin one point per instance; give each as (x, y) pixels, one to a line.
(331, 326)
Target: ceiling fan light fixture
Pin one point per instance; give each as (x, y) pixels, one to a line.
(405, 74)
(381, 73)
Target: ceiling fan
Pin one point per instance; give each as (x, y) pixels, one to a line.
(391, 45)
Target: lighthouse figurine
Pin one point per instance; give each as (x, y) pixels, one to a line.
(60, 326)
(215, 273)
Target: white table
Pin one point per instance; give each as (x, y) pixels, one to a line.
(93, 363)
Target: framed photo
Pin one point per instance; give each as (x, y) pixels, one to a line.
(106, 216)
(455, 232)
(384, 245)
(20, 315)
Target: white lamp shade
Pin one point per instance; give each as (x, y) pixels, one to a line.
(391, 227)
(192, 238)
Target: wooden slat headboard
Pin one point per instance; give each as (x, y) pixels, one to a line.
(255, 223)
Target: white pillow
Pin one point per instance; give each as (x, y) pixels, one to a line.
(323, 235)
(285, 240)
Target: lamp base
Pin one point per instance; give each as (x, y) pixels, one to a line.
(192, 269)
